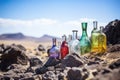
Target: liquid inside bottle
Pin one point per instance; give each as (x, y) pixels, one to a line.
(102, 41)
(74, 44)
(85, 45)
(54, 51)
(94, 38)
(64, 50)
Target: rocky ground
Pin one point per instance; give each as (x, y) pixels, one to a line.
(15, 64)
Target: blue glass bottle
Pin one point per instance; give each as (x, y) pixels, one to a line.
(54, 51)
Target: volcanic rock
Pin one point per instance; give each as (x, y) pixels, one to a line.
(12, 55)
(34, 61)
(112, 31)
(73, 60)
(41, 70)
(41, 48)
(77, 74)
(52, 62)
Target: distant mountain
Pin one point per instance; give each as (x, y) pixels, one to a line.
(20, 36)
(12, 36)
(46, 38)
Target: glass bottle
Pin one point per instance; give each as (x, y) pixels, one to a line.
(85, 45)
(64, 50)
(54, 51)
(102, 41)
(69, 38)
(94, 38)
(74, 43)
(69, 42)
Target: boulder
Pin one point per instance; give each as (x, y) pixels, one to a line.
(34, 61)
(77, 74)
(112, 31)
(73, 60)
(12, 55)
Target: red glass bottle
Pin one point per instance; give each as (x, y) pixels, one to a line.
(64, 50)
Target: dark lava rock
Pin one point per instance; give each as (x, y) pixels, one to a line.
(112, 31)
(12, 55)
(41, 70)
(76, 74)
(113, 48)
(73, 60)
(115, 64)
(41, 48)
(52, 62)
(35, 61)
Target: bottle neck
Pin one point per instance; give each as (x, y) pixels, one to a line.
(54, 42)
(84, 29)
(69, 38)
(95, 25)
(84, 33)
(101, 29)
(64, 40)
(75, 34)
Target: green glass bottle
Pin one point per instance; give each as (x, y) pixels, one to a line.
(85, 45)
(94, 38)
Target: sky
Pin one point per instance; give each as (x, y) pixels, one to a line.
(55, 17)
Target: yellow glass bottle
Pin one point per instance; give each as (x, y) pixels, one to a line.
(94, 38)
(102, 41)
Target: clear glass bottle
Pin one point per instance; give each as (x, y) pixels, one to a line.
(94, 38)
(74, 44)
(54, 51)
(69, 42)
(64, 50)
(85, 45)
(102, 41)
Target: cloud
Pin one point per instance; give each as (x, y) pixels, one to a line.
(27, 23)
(78, 22)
